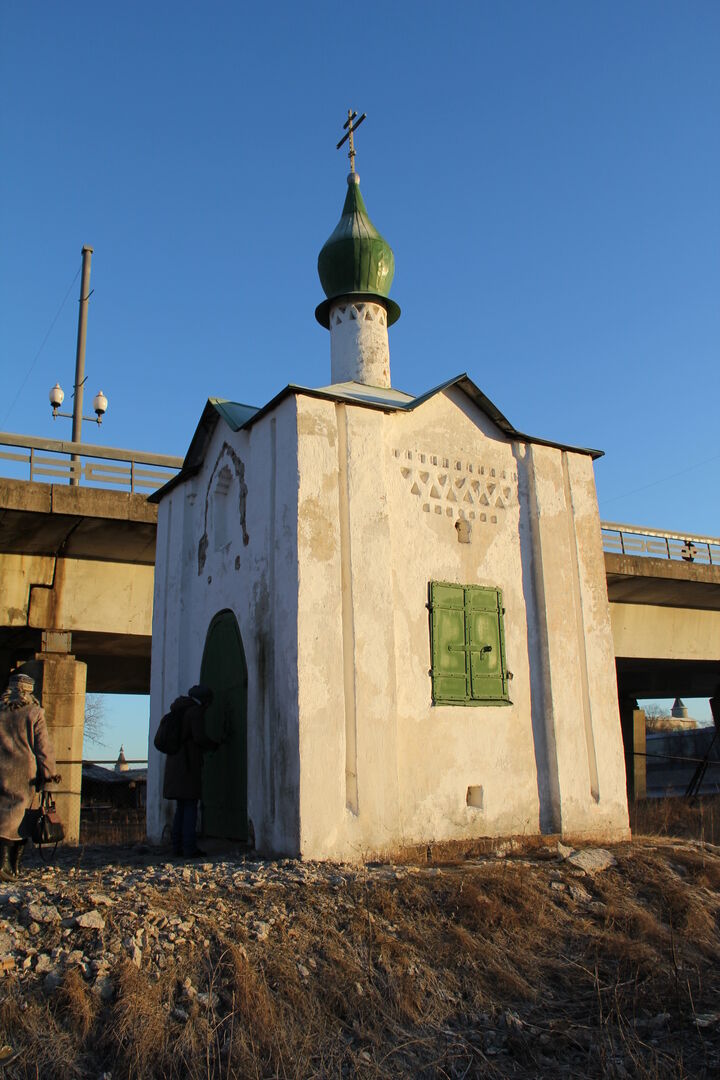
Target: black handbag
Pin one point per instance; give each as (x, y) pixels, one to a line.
(47, 828)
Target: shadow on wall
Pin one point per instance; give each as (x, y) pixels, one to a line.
(540, 691)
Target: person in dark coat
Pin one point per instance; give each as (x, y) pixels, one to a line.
(183, 771)
(27, 762)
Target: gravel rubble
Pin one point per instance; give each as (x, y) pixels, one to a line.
(94, 907)
(60, 915)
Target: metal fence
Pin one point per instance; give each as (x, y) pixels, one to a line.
(100, 761)
(660, 544)
(137, 470)
(95, 466)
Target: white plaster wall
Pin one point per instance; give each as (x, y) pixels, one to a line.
(576, 647)
(348, 739)
(447, 749)
(382, 766)
(257, 580)
(321, 692)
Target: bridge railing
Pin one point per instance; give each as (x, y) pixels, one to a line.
(660, 544)
(99, 466)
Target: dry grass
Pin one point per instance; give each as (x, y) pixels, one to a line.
(489, 969)
(76, 1007)
(136, 1029)
(697, 818)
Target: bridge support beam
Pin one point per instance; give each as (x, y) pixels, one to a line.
(63, 699)
(632, 720)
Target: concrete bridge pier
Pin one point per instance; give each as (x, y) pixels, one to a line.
(632, 720)
(60, 682)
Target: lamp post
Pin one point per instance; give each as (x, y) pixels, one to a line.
(57, 395)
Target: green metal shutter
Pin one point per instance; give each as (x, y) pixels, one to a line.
(485, 638)
(468, 645)
(449, 658)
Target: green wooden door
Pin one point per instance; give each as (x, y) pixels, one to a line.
(224, 785)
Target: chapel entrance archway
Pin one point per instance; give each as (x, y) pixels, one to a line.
(224, 786)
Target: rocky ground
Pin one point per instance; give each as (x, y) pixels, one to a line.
(125, 963)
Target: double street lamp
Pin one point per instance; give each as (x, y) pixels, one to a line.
(100, 404)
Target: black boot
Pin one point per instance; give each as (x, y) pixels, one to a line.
(6, 872)
(16, 857)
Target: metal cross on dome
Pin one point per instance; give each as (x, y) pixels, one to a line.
(352, 125)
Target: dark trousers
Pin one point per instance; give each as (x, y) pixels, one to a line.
(184, 824)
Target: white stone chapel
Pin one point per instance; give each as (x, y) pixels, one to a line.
(399, 601)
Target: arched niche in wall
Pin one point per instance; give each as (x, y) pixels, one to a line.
(225, 507)
(221, 502)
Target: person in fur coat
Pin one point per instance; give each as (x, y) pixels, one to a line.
(27, 762)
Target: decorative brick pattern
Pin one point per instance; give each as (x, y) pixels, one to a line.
(476, 490)
(365, 310)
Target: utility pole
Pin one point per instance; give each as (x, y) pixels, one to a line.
(77, 416)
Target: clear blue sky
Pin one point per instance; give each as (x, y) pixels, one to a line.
(547, 174)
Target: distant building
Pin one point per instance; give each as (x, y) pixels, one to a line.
(113, 803)
(677, 721)
(121, 764)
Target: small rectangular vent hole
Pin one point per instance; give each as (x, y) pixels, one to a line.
(474, 796)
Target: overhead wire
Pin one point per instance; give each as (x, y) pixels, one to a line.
(42, 346)
(662, 480)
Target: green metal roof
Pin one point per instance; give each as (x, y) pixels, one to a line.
(355, 259)
(239, 416)
(233, 413)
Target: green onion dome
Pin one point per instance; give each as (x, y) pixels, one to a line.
(355, 260)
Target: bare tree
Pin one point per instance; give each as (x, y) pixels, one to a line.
(659, 718)
(95, 719)
(655, 714)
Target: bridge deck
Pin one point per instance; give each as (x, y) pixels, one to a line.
(637, 579)
(77, 522)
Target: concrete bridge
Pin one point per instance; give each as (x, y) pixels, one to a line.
(664, 593)
(76, 574)
(76, 580)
